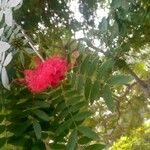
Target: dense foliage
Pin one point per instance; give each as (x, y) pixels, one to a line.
(104, 93)
(139, 139)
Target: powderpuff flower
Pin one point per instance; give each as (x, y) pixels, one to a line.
(45, 74)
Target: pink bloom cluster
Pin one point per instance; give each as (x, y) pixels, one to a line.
(45, 74)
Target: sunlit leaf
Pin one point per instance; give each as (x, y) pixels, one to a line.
(4, 46)
(1, 15)
(4, 77)
(0, 68)
(1, 31)
(8, 59)
(8, 17)
(13, 3)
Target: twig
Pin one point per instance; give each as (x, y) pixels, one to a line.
(138, 80)
(46, 143)
(32, 46)
(88, 42)
(144, 84)
(127, 90)
(30, 42)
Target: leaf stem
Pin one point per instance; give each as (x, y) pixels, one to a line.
(30, 42)
(69, 111)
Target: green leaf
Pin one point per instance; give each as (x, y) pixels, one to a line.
(63, 114)
(57, 147)
(2, 142)
(115, 30)
(103, 25)
(125, 5)
(94, 91)
(84, 140)
(54, 93)
(105, 69)
(85, 64)
(2, 117)
(86, 131)
(37, 129)
(35, 147)
(22, 59)
(107, 94)
(82, 115)
(116, 4)
(21, 101)
(57, 100)
(41, 114)
(93, 65)
(74, 100)
(79, 83)
(87, 89)
(73, 78)
(72, 140)
(119, 80)
(2, 128)
(20, 142)
(77, 107)
(60, 107)
(70, 93)
(63, 127)
(41, 104)
(22, 127)
(95, 147)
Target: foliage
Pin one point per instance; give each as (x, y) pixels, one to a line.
(49, 12)
(129, 114)
(57, 112)
(138, 139)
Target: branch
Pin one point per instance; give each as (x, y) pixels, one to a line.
(30, 42)
(46, 143)
(145, 85)
(127, 90)
(89, 43)
(138, 80)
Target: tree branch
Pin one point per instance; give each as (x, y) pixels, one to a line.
(129, 87)
(138, 80)
(89, 43)
(145, 85)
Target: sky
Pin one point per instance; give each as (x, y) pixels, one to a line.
(100, 13)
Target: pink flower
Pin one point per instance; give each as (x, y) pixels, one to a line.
(45, 74)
